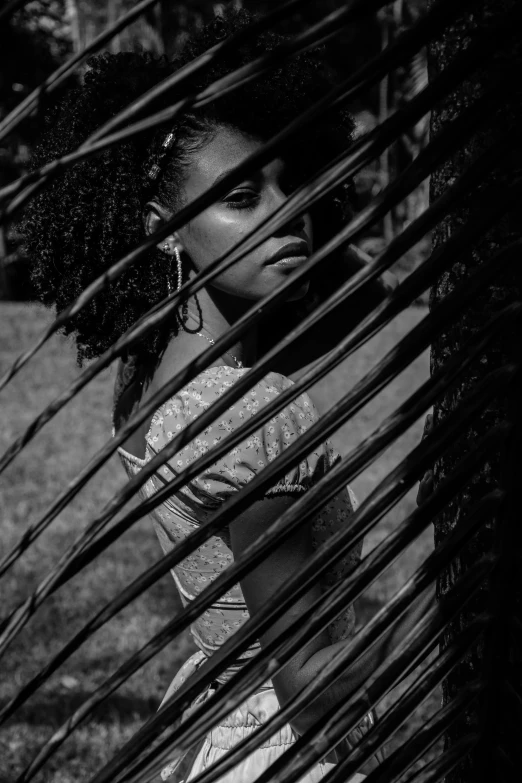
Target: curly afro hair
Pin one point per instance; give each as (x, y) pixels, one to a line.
(91, 215)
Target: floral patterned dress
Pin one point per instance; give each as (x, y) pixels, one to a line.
(191, 506)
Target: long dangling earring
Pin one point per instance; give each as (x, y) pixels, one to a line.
(179, 268)
(184, 308)
(183, 318)
(166, 249)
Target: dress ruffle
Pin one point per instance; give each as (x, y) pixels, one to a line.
(237, 726)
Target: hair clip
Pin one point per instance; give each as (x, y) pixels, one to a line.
(166, 144)
(153, 171)
(169, 140)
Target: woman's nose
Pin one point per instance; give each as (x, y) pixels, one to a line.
(295, 224)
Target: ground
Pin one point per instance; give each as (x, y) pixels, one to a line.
(41, 471)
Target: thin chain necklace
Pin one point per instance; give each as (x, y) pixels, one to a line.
(213, 342)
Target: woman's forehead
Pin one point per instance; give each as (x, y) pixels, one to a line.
(221, 154)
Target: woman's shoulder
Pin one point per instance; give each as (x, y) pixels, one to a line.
(238, 465)
(275, 433)
(213, 382)
(221, 377)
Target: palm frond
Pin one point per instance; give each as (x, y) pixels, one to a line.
(347, 90)
(496, 630)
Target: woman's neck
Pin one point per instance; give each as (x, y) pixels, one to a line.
(219, 312)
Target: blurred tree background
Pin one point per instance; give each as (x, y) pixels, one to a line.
(42, 34)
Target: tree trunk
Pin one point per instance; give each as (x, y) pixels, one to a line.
(384, 88)
(498, 657)
(113, 11)
(72, 14)
(5, 289)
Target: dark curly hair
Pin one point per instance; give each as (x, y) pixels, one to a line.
(91, 215)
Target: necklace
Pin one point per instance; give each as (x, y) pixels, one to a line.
(213, 342)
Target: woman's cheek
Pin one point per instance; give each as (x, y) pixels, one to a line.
(215, 233)
(221, 232)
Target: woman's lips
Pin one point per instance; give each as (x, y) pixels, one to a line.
(290, 262)
(289, 255)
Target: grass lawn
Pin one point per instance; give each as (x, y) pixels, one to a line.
(42, 470)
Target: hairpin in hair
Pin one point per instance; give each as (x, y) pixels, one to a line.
(166, 144)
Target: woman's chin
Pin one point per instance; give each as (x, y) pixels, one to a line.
(299, 292)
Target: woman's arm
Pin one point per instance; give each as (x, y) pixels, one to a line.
(265, 581)
(361, 669)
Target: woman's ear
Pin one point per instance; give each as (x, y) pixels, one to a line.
(154, 217)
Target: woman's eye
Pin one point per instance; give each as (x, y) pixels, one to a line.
(241, 199)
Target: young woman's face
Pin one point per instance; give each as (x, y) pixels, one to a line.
(216, 230)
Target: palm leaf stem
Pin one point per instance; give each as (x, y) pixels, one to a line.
(312, 746)
(405, 707)
(398, 484)
(362, 79)
(442, 146)
(68, 564)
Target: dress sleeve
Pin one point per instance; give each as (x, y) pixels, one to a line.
(245, 460)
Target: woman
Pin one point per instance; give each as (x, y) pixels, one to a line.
(101, 209)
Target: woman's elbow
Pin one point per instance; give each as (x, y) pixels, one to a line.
(301, 723)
